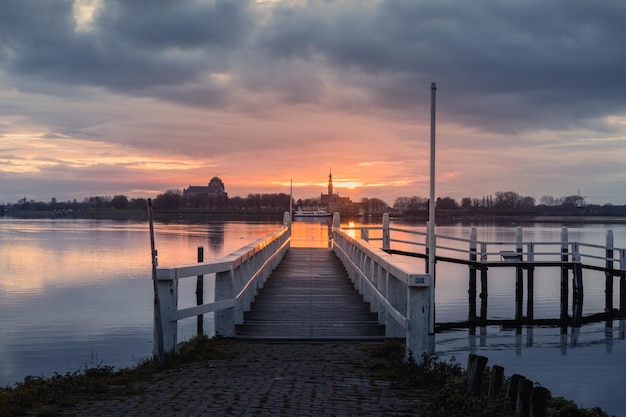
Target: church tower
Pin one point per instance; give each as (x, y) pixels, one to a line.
(330, 185)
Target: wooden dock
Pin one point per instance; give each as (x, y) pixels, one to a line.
(309, 297)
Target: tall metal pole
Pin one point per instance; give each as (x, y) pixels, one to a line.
(431, 222)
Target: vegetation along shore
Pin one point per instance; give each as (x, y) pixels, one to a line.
(433, 388)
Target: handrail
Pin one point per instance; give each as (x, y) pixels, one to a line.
(398, 294)
(238, 278)
(525, 249)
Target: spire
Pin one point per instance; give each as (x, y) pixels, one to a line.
(330, 184)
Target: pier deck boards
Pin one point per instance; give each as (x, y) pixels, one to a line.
(309, 297)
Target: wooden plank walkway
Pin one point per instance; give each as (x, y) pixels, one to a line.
(309, 297)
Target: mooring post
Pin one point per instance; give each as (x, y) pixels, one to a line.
(483, 283)
(564, 274)
(427, 243)
(608, 275)
(530, 277)
(472, 274)
(386, 234)
(519, 277)
(200, 293)
(622, 282)
(577, 285)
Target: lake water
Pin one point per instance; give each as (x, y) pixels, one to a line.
(78, 293)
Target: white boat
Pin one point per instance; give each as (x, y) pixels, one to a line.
(318, 212)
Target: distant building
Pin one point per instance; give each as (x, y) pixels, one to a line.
(334, 202)
(215, 188)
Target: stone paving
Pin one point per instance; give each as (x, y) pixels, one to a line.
(266, 379)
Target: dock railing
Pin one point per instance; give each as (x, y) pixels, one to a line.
(398, 293)
(238, 278)
(523, 255)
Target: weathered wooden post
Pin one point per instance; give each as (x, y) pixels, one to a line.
(365, 235)
(622, 282)
(472, 275)
(539, 397)
(483, 283)
(200, 293)
(564, 275)
(475, 369)
(577, 286)
(159, 350)
(495, 382)
(522, 405)
(511, 392)
(530, 278)
(427, 243)
(519, 277)
(608, 275)
(386, 232)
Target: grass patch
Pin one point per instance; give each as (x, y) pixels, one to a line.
(48, 396)
(445, 388)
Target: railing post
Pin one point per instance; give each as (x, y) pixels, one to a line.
(386, 234)
(519, 277)
(168, 297)
(472, 274)
(622, 283)
(577, 290)
(564, 274)
(224, 290)
(287, 220)
(530, 277)
(608, 287)
(483, 283)
(200, 293)
(427, 246)
(365, 235)
(418, 313)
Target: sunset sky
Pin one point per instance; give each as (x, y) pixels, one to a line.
(137, 97)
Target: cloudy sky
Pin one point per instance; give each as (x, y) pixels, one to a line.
(105, 97)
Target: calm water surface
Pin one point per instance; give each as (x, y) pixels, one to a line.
(78, 293)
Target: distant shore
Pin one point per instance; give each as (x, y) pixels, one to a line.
(260, 215)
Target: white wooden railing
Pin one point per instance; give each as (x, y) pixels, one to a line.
(398, 293)
(238, 278)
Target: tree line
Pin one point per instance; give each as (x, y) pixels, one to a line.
(502, 202)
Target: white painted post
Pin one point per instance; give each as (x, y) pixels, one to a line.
(224, 290)
(287, 219)
(168, 297)
(418, 340)
(336, 221)
(431, 222)
(386, 234)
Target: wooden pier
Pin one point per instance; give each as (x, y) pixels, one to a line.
(309, 297)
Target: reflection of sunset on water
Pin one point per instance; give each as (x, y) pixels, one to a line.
(74, 254)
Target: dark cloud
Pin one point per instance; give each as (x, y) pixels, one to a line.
(132, 46)
(503, 67)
